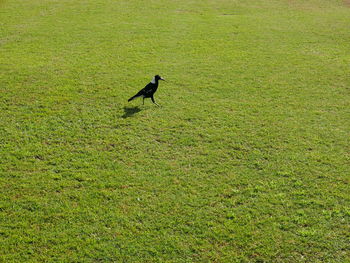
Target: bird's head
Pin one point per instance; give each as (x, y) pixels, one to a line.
(157, 77)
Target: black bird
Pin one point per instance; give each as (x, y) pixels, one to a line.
(149, 90)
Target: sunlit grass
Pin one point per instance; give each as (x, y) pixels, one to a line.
(247, 160)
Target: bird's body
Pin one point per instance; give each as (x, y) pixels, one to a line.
(149, 90)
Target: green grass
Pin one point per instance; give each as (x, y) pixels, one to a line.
(247, 160)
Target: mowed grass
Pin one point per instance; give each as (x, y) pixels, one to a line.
(247, 160)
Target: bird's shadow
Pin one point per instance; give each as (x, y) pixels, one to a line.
(130, 111)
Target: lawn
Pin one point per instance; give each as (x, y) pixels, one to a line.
(246, 160)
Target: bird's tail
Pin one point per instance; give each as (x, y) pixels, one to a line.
(133, 97)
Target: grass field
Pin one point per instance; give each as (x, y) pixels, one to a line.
(247, 160)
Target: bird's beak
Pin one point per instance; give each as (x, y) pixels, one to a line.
(162, 78)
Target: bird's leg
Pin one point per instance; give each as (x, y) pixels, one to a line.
(152, 98)
(143, 101)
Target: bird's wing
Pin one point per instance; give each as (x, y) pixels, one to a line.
(148, 89)
(143, 91)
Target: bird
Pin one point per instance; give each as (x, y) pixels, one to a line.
(149, 90)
